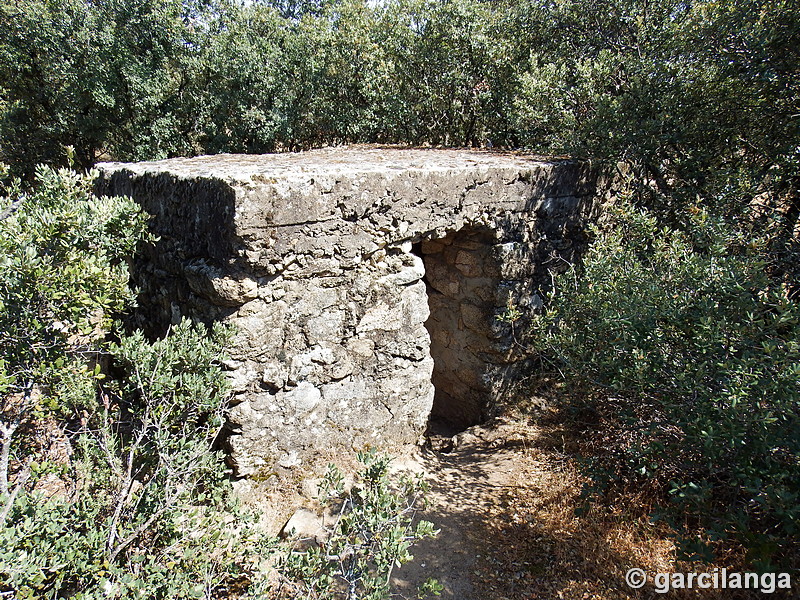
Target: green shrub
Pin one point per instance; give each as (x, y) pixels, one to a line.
(62, 277)
(138, 504)
(372, 533)
(106, 77)
(699, 350)
(150, 514)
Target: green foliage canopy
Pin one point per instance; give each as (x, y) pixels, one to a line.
(62, 258)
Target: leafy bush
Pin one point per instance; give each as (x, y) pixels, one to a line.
(136, 502)
(150, 512)
(700, 349)
(102, 76)
(372, 533)
(62, 254)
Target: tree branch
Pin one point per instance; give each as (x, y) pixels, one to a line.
(9, 210)
(6, 430)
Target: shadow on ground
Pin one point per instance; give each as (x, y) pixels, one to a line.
(505, 499)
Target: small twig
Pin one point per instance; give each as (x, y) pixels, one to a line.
(140, 529)
(11, 208)
(127, 482)
(22, 478)
(7, 430)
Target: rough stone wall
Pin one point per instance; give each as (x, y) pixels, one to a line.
(329, 264)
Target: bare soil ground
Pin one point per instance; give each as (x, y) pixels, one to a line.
(505, 497)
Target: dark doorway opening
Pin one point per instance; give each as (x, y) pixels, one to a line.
(462, 278)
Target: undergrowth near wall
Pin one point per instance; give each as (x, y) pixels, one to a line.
(691, 352)
(110, 487)
(372, 529)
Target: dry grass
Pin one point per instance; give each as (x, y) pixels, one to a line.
(547, 542)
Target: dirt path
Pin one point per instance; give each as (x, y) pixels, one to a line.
(463, 487)
(504, 498)
(513, 526)
(471, 485)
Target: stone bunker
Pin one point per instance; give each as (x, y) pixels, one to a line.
(364, 283)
